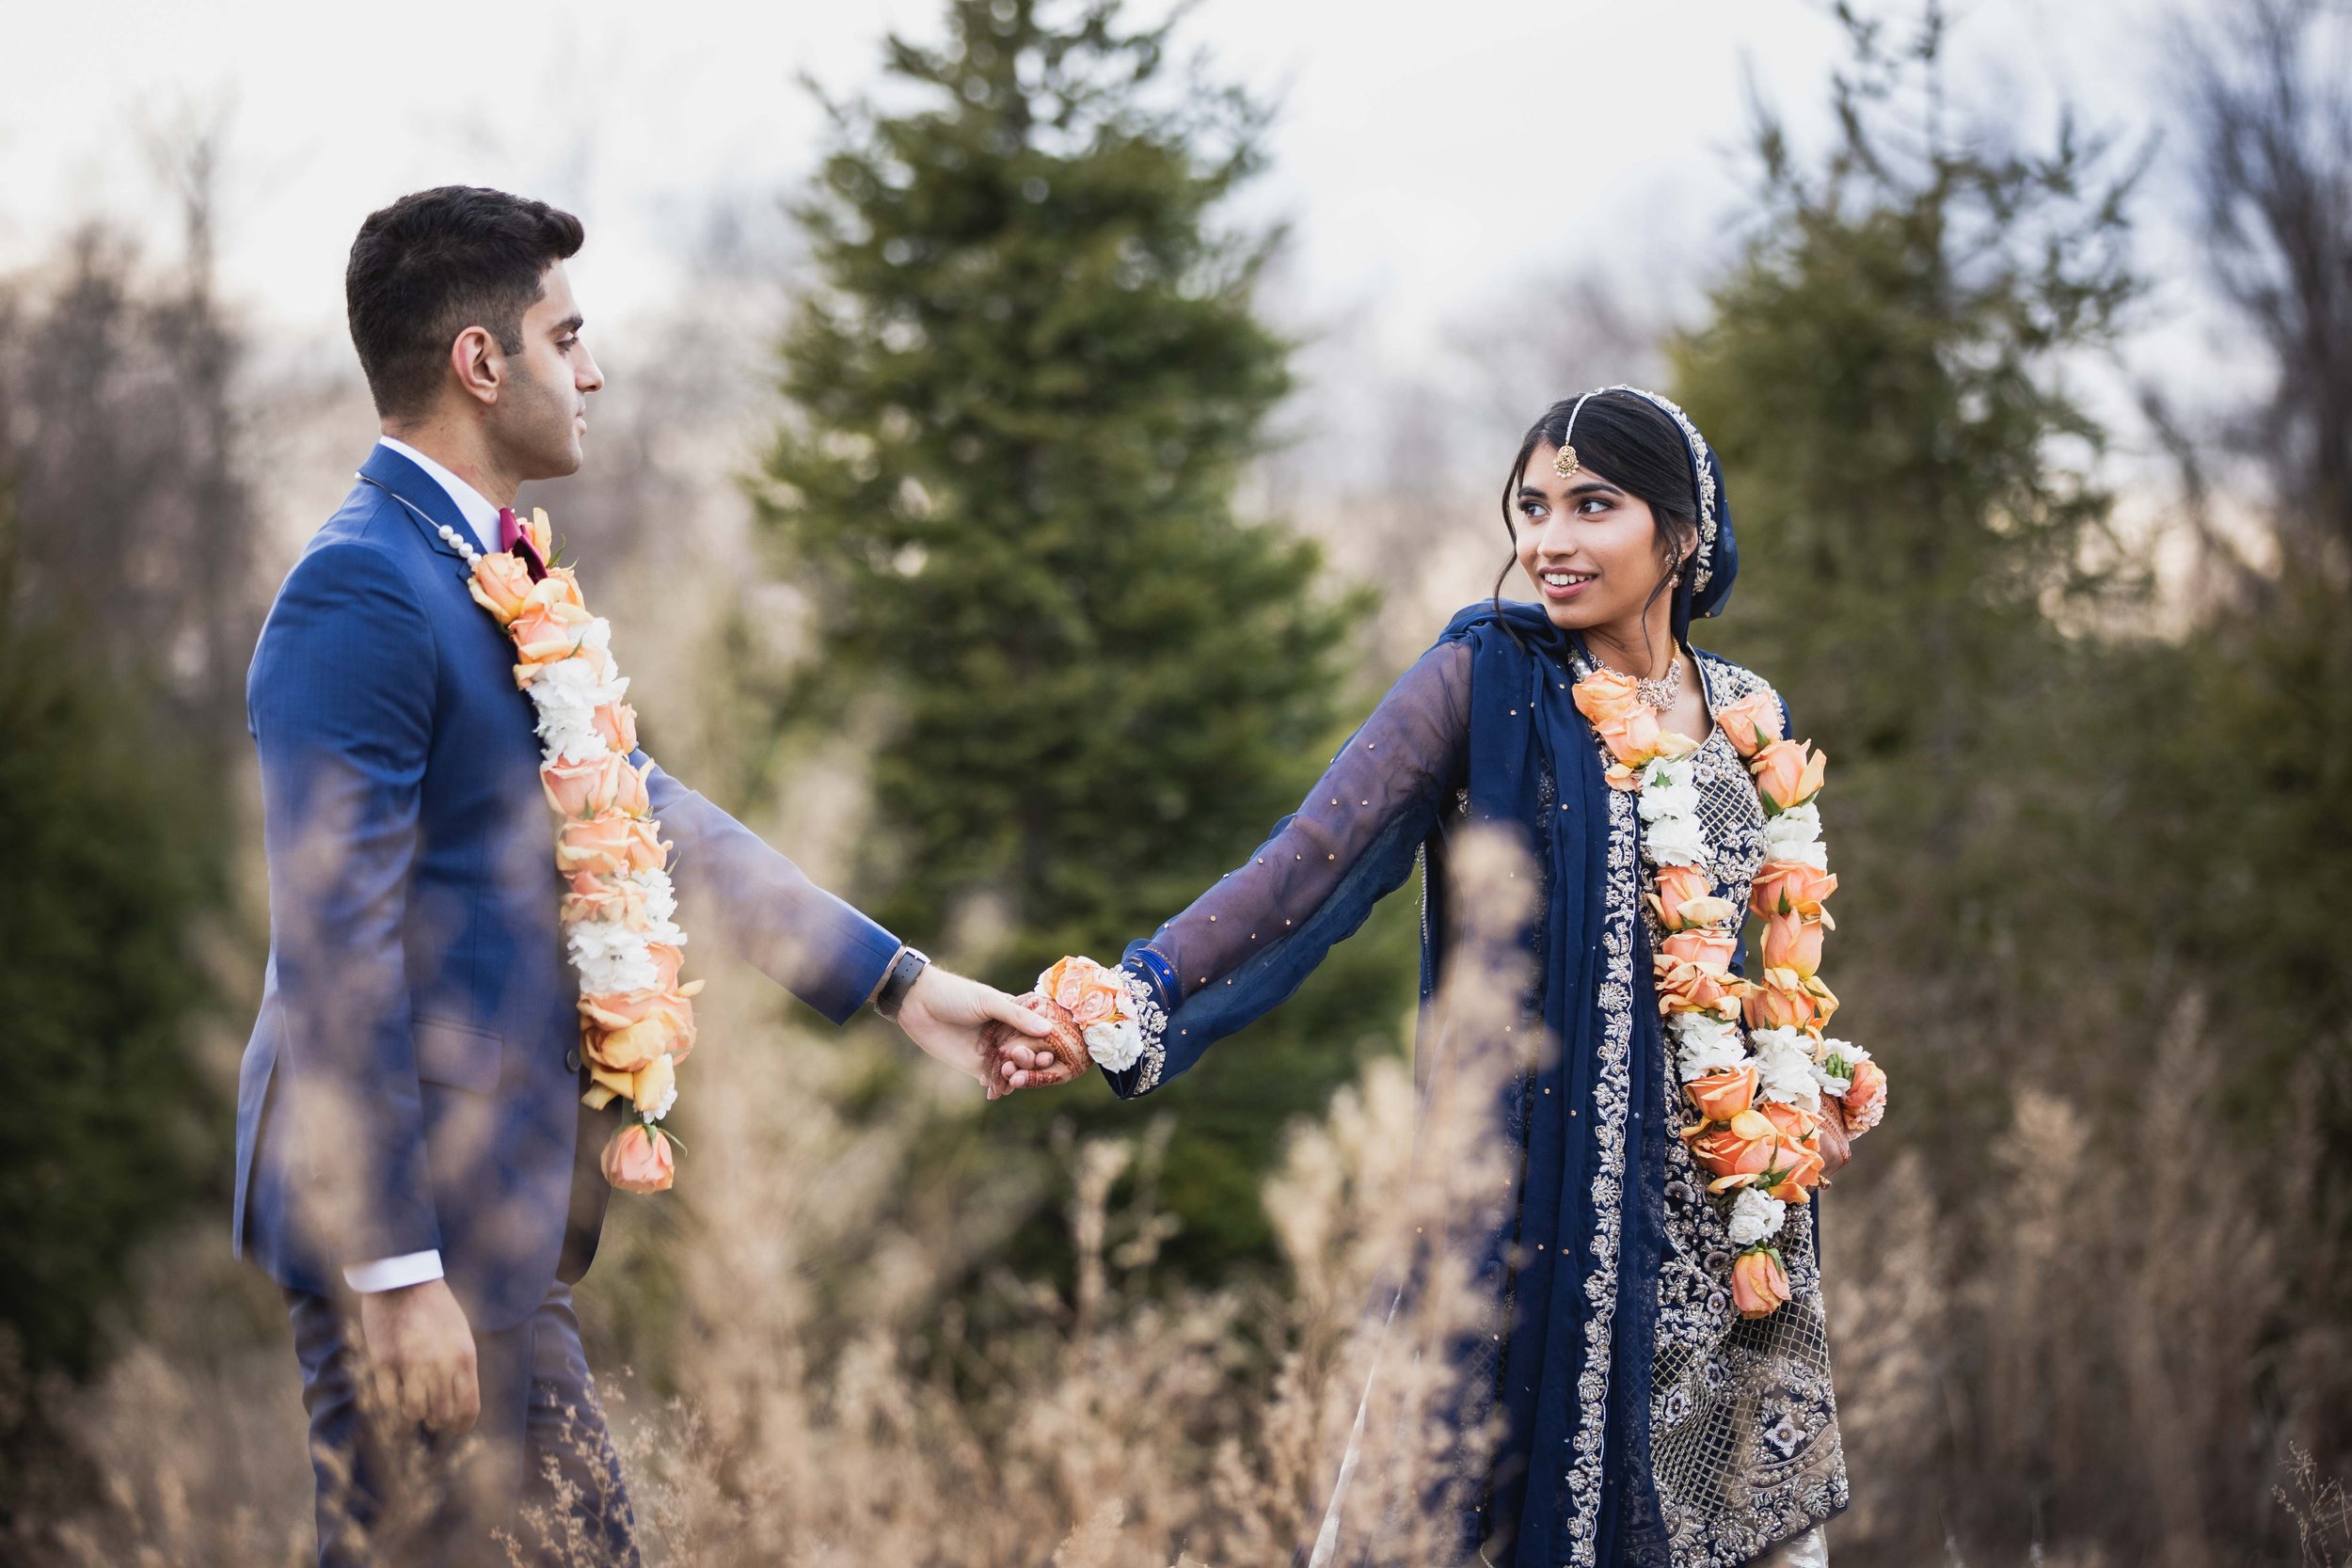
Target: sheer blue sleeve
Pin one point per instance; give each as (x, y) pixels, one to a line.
(1247, 943)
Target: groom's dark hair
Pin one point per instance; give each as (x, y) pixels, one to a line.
(431, 265)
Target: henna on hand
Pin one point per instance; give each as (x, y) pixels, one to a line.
(1014, 1061)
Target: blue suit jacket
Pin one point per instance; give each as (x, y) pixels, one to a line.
(413, 1081)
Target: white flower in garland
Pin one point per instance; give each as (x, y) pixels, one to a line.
(611, 958)
(1755, 1217)
(1668, 789)
(1706, 1043)
(567, 693)
(660, 899)
(1784, 1063)
(1834, 1055)
(1675, 841)
(1795, 835)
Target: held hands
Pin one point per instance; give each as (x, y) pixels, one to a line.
(1094, 1017)
(420, 1355)
(1056, 1057)
(957, 1021)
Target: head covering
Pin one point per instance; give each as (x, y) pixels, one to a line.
(1701, 591)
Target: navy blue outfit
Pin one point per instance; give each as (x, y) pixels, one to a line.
(1644, 1423)
(413, 1081)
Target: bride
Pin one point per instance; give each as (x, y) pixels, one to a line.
(1663, 1381)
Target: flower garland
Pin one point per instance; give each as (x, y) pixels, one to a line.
(1757, 1092)
(636, 1021)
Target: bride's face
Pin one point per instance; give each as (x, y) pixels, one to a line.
(1589, 548)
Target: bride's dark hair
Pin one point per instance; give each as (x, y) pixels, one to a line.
(1630, 442)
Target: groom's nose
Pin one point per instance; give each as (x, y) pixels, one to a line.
(588, 378)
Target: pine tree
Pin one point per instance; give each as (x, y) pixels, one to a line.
(1020, 402)
(1885, 378)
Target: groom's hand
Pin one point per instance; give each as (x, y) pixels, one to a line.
(420, 1355)
(949, 1015)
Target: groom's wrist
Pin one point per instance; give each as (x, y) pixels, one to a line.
(392, 1273)
(898, 980)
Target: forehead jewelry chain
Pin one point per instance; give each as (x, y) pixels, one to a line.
(1565, 464)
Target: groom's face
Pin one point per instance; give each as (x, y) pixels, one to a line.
(542, 414)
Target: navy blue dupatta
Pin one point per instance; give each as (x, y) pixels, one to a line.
(1577, 1264)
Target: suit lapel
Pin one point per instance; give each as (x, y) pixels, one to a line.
(429, 507)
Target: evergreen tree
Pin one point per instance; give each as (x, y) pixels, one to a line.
(109, 869)
(1021, 400)
(1884, 378)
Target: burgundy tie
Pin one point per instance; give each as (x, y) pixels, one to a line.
(512, 537)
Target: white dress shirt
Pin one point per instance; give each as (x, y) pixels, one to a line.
(415, 1268)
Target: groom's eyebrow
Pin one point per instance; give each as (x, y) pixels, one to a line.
(572, 323)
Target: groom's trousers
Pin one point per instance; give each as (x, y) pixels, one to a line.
(538, 1467)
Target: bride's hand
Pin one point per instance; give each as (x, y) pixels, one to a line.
(1836, 1144)
(1015, 1061)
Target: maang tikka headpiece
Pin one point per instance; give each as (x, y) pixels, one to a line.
(1565, 464)
(1702, 473)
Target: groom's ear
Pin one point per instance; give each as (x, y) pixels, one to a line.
(479, 364)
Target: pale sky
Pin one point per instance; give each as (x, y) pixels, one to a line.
(1433, 156)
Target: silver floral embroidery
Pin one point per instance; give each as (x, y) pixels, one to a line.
(1151, 1023)
(1612, 1082)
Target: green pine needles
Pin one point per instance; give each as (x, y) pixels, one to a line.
(1021, 399)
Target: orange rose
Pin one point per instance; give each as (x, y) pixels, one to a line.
(1620, 777)
(1794, 1123)
(617, 724)
(608, 846)
(1787, 774)
(1736, 1149)
(500, 584)
(1786, 1000)
(1865, 1097)
(1689, 987)
(1797, 1168)
(638, 1160)
(1605, 695)
(667, 962)
(1793, 942)
(1751, 723)
(1789, 887)
(550, 626)
(600, 785)
(1631, 738)
(666, 1030)
(1089, 993)
(652, 1087)
(604, 898)
(619, 1010)
(543, 539)
(1685, 899)
(1708, 949)
(1720, 1095)
(1759, 1286)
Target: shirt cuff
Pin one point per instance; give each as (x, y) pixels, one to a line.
(394, 1273)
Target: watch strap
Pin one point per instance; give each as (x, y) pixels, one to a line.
(905, 971)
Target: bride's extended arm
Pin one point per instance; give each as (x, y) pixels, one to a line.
(1245, 944)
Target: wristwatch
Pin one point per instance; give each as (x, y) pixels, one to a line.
(904, 969)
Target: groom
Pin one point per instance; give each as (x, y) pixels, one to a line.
(415, 1164)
